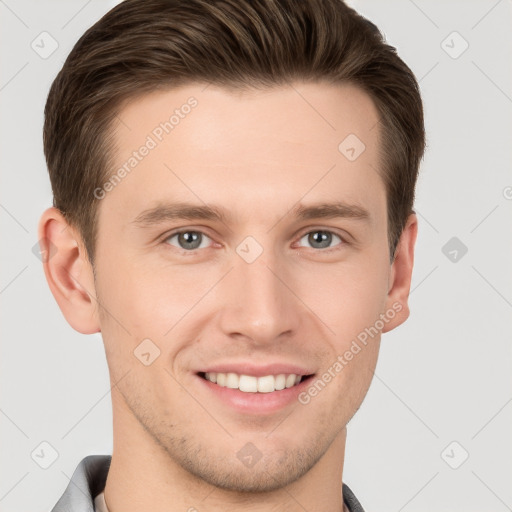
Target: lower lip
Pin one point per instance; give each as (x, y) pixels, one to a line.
(256, 403)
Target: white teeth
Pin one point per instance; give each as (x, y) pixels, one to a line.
(290, 380)
(264, 384)
(251, 384)
(280, 382)
(232, 380)
(221, 378)
(248, 384)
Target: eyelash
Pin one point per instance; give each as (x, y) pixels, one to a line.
(193, 252)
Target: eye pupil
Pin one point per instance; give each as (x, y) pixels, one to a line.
(324, 239)
(188, 239)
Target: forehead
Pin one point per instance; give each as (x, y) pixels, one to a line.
(209, 144)
(301, 110)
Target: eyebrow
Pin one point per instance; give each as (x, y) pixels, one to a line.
(189, 211)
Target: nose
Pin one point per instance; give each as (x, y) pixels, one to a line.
(258, 301)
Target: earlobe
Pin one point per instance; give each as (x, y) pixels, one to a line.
(68, 271)
(401, 274)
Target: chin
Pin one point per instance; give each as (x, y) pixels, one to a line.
(248, 470)
(265, 476)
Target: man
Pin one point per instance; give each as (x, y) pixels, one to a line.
(233, 210)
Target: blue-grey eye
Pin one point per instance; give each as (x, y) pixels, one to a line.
(320, 239)
(189, 240)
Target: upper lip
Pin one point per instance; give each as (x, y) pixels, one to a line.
(247, 368)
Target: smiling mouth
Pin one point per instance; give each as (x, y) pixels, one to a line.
(252, 384)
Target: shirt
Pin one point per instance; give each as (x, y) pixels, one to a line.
(84, 492)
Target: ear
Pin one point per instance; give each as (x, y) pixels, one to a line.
(401, 274)
(68, 271)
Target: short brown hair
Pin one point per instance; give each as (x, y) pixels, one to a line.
(143, 45)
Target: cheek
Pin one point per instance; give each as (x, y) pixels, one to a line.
(348, 298)
(149, 299)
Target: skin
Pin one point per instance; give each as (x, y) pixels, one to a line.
(258, 154)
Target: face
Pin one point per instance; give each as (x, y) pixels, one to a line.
(244, 247)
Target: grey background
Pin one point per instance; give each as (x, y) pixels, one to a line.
(442, 377)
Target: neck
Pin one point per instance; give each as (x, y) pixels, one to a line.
(143, 475)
